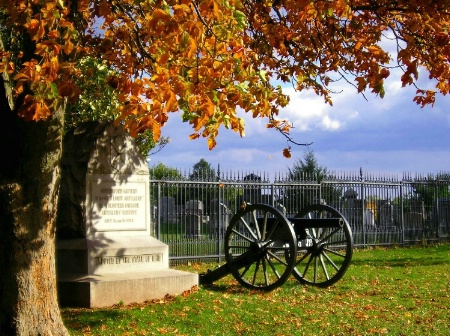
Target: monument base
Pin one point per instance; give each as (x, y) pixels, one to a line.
(104, 255)
(102, 272)
(96, 291)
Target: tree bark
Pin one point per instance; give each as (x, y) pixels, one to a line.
(29, 186)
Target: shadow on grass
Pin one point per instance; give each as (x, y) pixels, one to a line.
(400, 262)
(228, 288)
(80, 318)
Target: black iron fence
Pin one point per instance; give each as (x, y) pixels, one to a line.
(191, 216)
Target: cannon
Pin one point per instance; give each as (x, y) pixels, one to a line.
(263, 247)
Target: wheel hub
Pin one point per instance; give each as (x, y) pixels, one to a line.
(257, 246)
(316, 247)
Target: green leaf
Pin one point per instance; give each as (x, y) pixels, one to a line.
(226, 121)
(382, 92)
(262, 75)
(216, 99)
(186, 116)
(54, 90)
(184, 40)
(240, 18)
(243, 86)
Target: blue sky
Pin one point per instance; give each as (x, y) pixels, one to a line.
(390, 135)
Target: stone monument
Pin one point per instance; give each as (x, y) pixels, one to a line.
(105, 254)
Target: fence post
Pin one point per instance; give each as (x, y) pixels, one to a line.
(272, 191)
(320, 188)
(158, 211)
(402, 211)
(437, 219)
(219, 221)
(363, 206)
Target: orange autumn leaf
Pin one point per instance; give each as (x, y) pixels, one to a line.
(192, 48)
(172, 103)
(69, 90)
(42, 111)
(159, 14)
(34, 110)
(22, 77)
(53, 34)
(163, 58)
(156, 129)
(68, 47)
(36, 29)
(211, 143)
(375, 50)
(27, 109)
(287, 153)
(194, 136)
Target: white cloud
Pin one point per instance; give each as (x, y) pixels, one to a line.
(307, 111)
(329, 124)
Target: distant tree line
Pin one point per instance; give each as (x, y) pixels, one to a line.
(305, 168)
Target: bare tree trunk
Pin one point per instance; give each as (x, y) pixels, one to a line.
(29, 186)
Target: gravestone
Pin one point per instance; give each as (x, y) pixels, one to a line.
(105, 253)
(219, 218)
(153, 218)
(369, 219)
(168, 210)
(413, 220)
(386, 213)
(252, 190)
(443, 216)
(194, 218)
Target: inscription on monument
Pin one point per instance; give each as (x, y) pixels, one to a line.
(129, 259)
(118, 206)
(119, 202)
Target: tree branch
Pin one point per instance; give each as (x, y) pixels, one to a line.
(8, 83)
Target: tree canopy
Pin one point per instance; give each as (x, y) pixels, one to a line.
(307, 168)
(212, 58)
(431, 189)
(160, 172)
(202, 170)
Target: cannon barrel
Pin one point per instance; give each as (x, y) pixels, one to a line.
(220, 272)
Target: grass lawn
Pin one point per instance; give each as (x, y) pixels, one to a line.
(392, 291)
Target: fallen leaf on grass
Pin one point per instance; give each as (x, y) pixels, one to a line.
(377, 331)
(361, 316)
(167, 330)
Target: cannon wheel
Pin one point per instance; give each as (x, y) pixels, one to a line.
(260, 247)
(323, 254)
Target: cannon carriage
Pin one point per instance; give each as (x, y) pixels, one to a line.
(263, 247)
